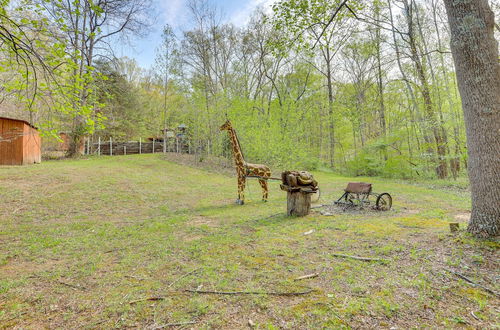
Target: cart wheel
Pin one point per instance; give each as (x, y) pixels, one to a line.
(315, 196)
(384, 202)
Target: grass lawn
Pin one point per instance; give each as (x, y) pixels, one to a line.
(83, 243)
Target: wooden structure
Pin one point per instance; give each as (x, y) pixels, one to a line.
(111, 148)
(177, 139)
(299, 186)
(20, 142)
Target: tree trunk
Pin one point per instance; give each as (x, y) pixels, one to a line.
(380, 84)
(298, 203)
(430, 115)
(475, 53)
(331, 121)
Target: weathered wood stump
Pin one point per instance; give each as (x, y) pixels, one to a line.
(299, 186)
(298, 203)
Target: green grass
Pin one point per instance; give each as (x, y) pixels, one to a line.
(81, 239)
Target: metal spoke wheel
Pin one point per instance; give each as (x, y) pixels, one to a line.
(384, 202)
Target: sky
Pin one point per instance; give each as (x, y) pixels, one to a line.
(175, 13)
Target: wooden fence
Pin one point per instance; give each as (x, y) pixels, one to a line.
(111, 148)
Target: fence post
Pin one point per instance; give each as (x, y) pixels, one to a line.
(110, 146)
(125, 150)
(140, 146)
(99, 147)
(153, 145)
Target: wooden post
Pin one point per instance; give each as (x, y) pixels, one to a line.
(99, 147)
(110, 146)
(140, 146)
(153, 145)
(125, 150)
(298, 203)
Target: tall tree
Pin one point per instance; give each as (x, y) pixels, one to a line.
(88, 26)
(475, 53)
(165, 64)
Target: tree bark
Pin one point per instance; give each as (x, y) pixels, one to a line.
(298, 203)
(475, 53)
(331, 121)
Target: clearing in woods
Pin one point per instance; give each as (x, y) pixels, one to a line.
(84, 243)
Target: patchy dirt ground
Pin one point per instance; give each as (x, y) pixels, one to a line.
(115, 242)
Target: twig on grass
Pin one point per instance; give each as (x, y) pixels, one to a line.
(72, 285)
(474, 316)
(359, 258)
(181, 277)
(146, 299)
(471, 282)
(299, 293)
(113, 250)
(177, 324)
(305, 277)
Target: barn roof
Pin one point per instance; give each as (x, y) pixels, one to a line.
(20, 120)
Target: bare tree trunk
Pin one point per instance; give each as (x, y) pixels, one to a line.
(455, 160)
(475, 53)
(430, 115)
(380, 85)
(331, 121)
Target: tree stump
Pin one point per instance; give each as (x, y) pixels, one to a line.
(298, 203)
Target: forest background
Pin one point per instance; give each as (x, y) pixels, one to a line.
(373, 93)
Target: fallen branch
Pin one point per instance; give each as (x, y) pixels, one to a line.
(175, 324)
(471, 282)
(359, 258)
(305, 277)
(181, 277)
(146, 299)
(250, 292)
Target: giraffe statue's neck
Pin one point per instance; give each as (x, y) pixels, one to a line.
(237, 153)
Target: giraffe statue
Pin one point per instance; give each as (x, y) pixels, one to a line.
(244, 169)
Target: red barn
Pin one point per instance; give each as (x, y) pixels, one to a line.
(20, 142)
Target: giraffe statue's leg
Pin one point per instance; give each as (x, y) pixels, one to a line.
(241, 190)
(263, 184)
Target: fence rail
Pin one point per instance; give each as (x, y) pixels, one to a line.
(112, 148)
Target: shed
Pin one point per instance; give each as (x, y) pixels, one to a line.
(20, 142)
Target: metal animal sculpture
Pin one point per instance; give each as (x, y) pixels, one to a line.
(244, 169)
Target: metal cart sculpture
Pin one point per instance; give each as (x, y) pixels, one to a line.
(360, 194)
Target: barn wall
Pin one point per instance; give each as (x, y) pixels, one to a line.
(11, 142)
(32, 146)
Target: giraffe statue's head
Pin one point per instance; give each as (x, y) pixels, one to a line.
(226, 126)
